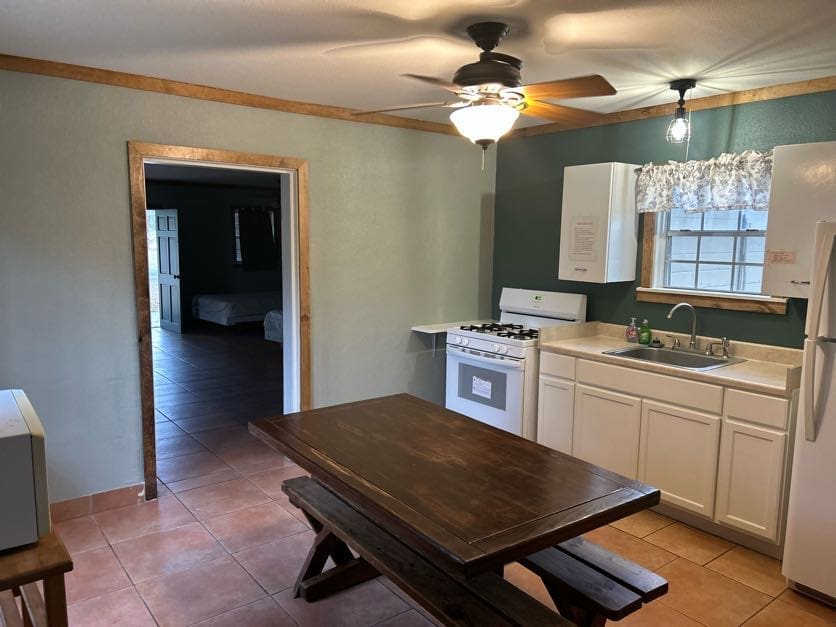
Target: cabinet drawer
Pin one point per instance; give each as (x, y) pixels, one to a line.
(757, 408)
(682, 392)
(556, 365)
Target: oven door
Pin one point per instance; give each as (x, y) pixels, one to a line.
(486, 388)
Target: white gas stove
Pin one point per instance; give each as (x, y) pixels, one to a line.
(492, 366)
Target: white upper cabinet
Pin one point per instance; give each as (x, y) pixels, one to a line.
(599, 224)
(802, 193)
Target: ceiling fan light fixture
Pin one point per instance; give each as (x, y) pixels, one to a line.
(679, 130)
(484, 124)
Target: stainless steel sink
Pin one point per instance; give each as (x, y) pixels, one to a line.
(680, 358)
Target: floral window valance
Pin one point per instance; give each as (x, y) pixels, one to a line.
(729, 182)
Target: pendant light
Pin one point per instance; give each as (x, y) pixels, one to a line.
(484, 123)
(679, 130)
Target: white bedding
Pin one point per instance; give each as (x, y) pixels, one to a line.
(273, 326)
(229, 309)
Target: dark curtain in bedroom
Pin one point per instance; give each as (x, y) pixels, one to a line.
(258, 239)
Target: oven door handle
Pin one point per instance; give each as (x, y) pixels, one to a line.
(507, 364)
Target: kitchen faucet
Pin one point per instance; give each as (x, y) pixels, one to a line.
(693, 343)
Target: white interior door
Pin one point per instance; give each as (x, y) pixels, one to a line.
(168, 258)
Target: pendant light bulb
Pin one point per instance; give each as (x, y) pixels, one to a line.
(679, 130)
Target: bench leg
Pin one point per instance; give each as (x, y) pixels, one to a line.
(578, 615)
(312, 583)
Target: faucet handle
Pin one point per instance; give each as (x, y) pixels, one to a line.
(675, 340)
(724, 343)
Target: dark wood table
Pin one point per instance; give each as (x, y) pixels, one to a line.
(467, 496)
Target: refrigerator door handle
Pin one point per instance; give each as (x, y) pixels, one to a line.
(808, 390)
(822, 250)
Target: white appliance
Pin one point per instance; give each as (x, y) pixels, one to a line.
(492, 367)
(810, 548)
(24, 500)
(802, 192)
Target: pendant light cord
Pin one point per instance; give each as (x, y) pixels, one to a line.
(690, 108)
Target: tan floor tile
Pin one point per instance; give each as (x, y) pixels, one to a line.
(253, 526)
(205, 423)
(201, 592)
(227, 474)
(222, 498)
(806, 603)
(412, 618)
(529, 583)
(689, 543)
(656, 614)
(630, 547)
(94, 573)
(163, 430)
(270, 481)
(708, 597)
(263, 613)
(178, 445)
(755, 570)
(157, 554)
(780, 614)
(366, 604)
(642, 523)
(80, 534)
(123, 607)
(252, 456)
(124, 523)
(275, 565)
(416, 607)
(188, 466)
(217, 440)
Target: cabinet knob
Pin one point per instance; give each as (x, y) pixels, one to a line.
(581, 269)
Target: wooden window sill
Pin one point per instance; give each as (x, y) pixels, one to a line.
(759, 304)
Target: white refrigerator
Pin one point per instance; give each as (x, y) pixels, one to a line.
(810, 548)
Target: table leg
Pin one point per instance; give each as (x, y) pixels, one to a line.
(55, 599)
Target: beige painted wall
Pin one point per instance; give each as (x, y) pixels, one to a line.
(401, 234)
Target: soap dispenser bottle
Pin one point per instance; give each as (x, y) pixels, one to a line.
(645, 333)
(632, 331)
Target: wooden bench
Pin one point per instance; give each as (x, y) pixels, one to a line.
(590, 585)
(486, 599)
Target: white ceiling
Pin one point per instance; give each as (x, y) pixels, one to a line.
(351, 53)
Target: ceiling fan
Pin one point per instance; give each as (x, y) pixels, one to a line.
(491, 94)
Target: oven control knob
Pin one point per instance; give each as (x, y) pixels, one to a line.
(457, 339)
(465, 341)
(495, 348)
(503, 349)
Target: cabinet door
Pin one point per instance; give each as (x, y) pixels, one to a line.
(584, 224)
(749, 481)
(678, 455)
(606, 430)
(555, 414)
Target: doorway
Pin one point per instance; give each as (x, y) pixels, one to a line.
(178, 319)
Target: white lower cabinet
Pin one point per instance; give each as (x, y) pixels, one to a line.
(606, 429)
(555, 413)
(678, 455)
(750, 477)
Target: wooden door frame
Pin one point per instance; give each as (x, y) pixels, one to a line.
(138, 153)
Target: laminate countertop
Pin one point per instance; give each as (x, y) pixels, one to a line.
(772, 370)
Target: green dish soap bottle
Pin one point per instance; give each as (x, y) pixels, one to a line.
(645, 333)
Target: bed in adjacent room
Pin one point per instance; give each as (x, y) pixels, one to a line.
(230, 309)
(273, 326)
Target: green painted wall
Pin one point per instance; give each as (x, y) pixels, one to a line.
(529, 188)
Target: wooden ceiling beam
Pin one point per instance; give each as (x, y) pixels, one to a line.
(215, 94)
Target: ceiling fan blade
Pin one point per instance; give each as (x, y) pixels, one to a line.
(560, 114)
(579, 87)
(438, 82)
(426, 105)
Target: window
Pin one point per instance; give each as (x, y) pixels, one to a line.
(713, 251)
(238, 257)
